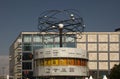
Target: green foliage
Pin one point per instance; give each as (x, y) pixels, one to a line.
(115, 72)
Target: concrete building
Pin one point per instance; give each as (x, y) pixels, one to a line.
(4, 66)
(103, 50)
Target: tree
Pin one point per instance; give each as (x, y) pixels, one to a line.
(115, 72)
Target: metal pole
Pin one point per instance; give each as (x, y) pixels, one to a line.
(60, 33)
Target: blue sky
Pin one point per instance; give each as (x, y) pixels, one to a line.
(21, 15)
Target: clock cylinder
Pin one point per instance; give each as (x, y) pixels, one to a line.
(59, 62)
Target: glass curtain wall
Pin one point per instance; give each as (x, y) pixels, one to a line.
(32, 42)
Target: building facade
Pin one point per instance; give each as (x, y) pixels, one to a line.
(103, 50)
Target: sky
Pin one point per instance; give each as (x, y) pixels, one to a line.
(22, 15)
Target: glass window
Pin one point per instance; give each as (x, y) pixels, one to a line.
(37, 38)
(70, 44)
(27, 65)
(27, 74)
(57, 45)
(69, 39)
(37, 46)
(27, 56)
(48, 45)
(57, 39)
(48, 38)
(27, 38)
(27, 47)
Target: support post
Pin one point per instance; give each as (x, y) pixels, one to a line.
(60, 36)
